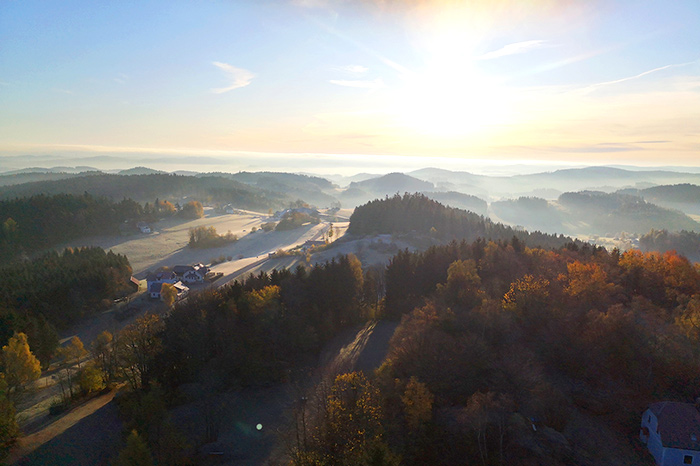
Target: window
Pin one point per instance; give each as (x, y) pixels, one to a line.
(687, 459)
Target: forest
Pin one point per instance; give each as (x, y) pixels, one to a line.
(420, 214)
(494, 338)
(32, 224)
(57, 289)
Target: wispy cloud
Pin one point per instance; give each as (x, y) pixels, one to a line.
(637, 76)
(359, 83)
(122, 78)
(64, 91)
(239, 77)
(513, 49)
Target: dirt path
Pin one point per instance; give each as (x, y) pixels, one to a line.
(26, 446)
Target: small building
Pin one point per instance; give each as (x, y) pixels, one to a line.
(671, 432)
(135, 283)
(162, 277)
(191, 273)
(229, 209)
(155, 280)
(143, 227)
(155, 288)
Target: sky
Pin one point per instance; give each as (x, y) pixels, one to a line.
(314, 85)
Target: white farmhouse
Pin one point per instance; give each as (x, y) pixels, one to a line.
(671, 431)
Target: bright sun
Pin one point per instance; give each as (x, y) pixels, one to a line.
(450, 104)
(450, 97)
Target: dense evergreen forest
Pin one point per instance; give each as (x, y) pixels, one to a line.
(420, 214)
(251, 333)
(460, 200)
(57, 289)
(35, 223)
(148, 187)
(683, 242)
(495, 337)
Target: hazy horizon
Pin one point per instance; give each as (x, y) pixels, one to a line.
(314, 164)
(542, 82)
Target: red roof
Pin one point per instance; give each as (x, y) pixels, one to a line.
(678, 424)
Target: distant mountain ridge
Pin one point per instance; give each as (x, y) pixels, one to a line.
(146, 188)
(591, 212)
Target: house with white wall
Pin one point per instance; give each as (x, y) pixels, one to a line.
(671, 432)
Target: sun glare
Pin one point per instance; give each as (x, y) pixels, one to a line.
(451, 97)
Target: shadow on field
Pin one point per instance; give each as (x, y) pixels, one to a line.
(91, 442)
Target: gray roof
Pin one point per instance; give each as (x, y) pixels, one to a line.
(155, 287)
(679, 424)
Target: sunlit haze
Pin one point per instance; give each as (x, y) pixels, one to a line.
(347, 86)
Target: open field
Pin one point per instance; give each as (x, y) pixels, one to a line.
(168, 244)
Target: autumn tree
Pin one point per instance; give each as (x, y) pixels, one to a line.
(418, 403)
(103, 353)
(9, 430)
(588, 284)
(137, 346)
(527, 297)
(19, 363)
(164, 208)
(168, 293)
(192, 210)
(488, 414)
(135, 453)
(75, 351)
(463, 284)
(91, 379)
(689, 318)
(351, 432)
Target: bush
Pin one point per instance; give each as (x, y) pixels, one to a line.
(207, 237)
(57, 407)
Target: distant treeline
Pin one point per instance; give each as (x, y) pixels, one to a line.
(621, 212)
(417, 212)
(34, 223)
(677, 193)
(683, 242)
(59, 289)
(147, 187)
